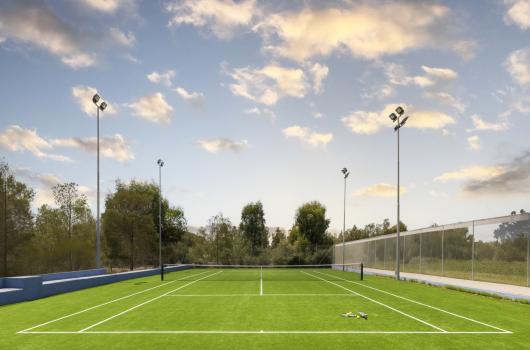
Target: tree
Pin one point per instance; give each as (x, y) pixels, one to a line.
(128, 224)
(278, 238)
(312, 223)
(253, 226)
(73, 205)
(16, 218)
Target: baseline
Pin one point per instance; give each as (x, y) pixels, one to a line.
(379, 303)
(420, 303)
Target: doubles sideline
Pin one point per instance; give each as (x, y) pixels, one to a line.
(420, 303)
(377, 302)
(103, 304)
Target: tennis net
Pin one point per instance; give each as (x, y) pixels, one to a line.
(330, 272)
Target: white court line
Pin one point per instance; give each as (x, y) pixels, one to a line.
(261, 282)
(419, 303)
(265, 295)
(145, 302)
(378, 302)
(263, 332)
(103, 304)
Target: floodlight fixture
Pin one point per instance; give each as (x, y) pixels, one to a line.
(400, 110)
(393, 117)
(95, 98)
(403, 121)
(160, 162)
(103, 105)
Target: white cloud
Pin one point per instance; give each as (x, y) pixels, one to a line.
(476, 172)
(440, 73)
(515, 99)
(307, 136)
(19, 139)
(473, 143)
(83, 96)
(37, 25)
(162, 78)
(196, 98)
(46, 180)
(480, 124)
(268, 84)
(121, 38)
(518, 13)
(222, 17)
(369, 122)
(262, 112)
(447, 99)
(116, 147)
(518, 65)
(380, 93)
(380, 190)
(153, 108)
(319, 72)
(108, 6)
(465, 48)
(221, 144)
(364, 30)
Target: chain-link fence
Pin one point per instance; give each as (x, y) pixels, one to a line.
(494, 250)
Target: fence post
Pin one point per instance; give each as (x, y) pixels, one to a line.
(384, 257)
(473, 252)
(421, 234)
(443, 234)
(403, 269)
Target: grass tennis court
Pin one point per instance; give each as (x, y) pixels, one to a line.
(244, 308)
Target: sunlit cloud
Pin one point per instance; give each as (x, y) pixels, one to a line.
(116, 147)
(83, 96)
(380, 190)
(307, 136)
(222, 144)
(518, 13)
(153, 108)
(222, 17)
(18, 139)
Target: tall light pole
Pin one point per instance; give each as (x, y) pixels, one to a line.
(5, 222)
(399, 123)
(345, 172)
(99, 106)
(160, 163)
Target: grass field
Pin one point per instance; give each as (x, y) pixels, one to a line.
(261, 309)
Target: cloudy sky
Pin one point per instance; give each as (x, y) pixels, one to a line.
(249, 100)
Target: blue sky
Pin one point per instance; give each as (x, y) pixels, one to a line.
(249, 100)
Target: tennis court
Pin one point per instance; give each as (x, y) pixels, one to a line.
(224, 300)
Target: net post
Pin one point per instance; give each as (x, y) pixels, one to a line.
(362, 271)
(162, 272)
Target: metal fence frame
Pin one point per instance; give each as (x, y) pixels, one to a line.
(439, 228)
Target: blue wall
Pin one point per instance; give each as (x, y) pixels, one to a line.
(17, 289)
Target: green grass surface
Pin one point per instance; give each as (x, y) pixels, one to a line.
(251, 309)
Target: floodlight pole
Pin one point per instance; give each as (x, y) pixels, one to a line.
(398, 204)
(160, 164)
(344, 224)
(98, 220)
(5, 222)
(100, 105)
(399, 123)
(345, 173)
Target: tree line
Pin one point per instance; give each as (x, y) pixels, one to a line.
(61, 237)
